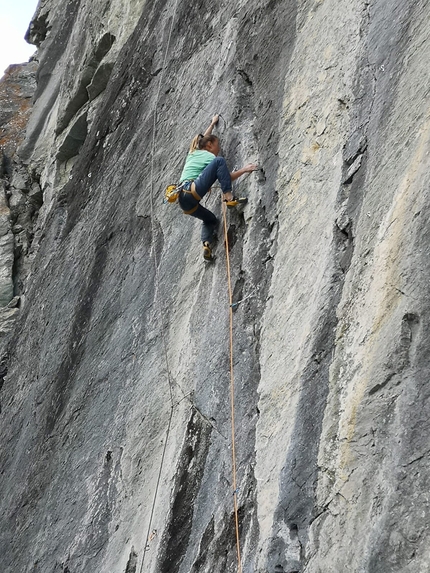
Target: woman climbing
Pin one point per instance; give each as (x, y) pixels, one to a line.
(202, 168)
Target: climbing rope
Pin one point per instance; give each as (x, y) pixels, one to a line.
(149, 536)
(233, 444)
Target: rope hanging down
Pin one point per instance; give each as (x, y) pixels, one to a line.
(233, 444)
(157, 284)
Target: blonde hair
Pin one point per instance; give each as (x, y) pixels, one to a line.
(195, 143)
(200, 141)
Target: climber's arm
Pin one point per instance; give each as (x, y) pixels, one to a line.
(212, 125)
(246, 169)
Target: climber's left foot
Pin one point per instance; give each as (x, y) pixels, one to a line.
(207, 252)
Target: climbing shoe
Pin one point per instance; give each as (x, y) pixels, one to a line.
(236, 201)
(207, 252)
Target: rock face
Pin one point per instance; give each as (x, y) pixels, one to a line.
(20, 195)
(17, 88)
(115, 399)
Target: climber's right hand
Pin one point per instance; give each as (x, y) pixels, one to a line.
(250, 167)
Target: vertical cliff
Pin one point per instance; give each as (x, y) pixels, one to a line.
(115, 409)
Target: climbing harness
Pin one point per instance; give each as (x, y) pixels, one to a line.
(233, 445)
(173, 191)
(188, 188)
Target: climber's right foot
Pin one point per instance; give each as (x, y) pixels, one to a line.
(236, 201)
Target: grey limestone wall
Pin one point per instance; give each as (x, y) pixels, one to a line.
(115, 407)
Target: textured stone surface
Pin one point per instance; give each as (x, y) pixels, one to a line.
(115, 415)
(16, 91)
(6, 253)
(16, 210)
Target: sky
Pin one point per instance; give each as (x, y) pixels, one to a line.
(15, 16)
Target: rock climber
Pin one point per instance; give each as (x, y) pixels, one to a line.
(202, 168)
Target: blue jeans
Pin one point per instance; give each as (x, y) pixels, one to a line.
(210, 222)
(217, 169)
